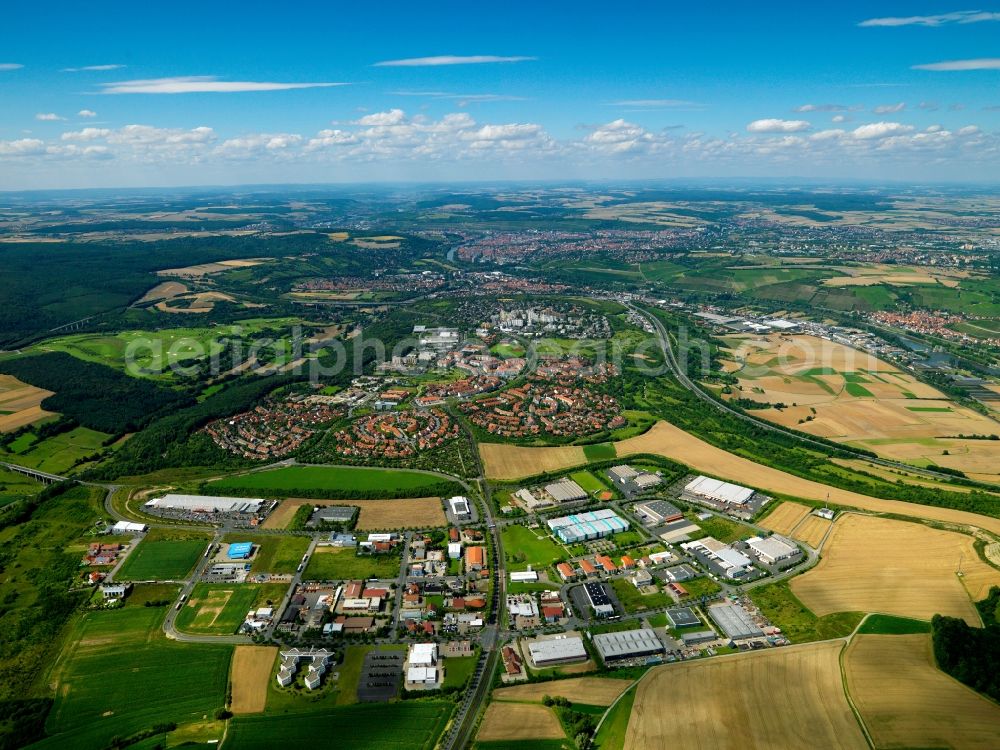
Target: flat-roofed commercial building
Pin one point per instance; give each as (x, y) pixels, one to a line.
(717, 492)
(584, 526)
(628, 644)
(204, 504)
(771, 549)
(659, 511)
(557, 651)
(734, 621)
(565, 491)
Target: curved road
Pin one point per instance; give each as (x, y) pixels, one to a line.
(684, 380)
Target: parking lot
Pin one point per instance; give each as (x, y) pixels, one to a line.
(381, 675)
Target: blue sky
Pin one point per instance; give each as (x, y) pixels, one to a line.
(121, 94)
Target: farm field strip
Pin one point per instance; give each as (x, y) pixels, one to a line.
(595, 691)
(906, 701)
(812, 530)
(503, 461)
(249, 675)
(874, 564)
(785, 517)
(789, 697)
(519, 721)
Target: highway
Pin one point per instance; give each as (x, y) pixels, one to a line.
(682, 377)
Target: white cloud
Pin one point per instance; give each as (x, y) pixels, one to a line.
(880, 130)
(773, 125)
(10, 66)
(461, 98)
(382, 119)
(201, 84)
(981, 63)
(420, 62)
(941, 19)
(886, 109)
(826, 135)
(839, 118)
(92, 68)
(22, 147)
(620, 137)
(48, 116)
(258, 143)
(86, 113)
(87, 134)
(821, 108)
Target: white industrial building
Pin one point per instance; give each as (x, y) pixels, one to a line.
(628, 644)
(459, 505)
(127, 527)
(557, 651)
(524, 576)
(205, 504)
(717, 492)
(734, 621)
(584, 526)
(733, 562)
(454, 550)
(771, 549)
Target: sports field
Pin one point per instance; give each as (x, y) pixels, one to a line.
(777, 698)
(504, 461)
(219, 608)
(406, 725)
(119, 674)
(398, 513)
(897, 567)
(906, 701)
(519, 721)
(163, 559)
(594, 691)
(249, 676)
(588, 481)
(332, 478)
(343, 563)
(850, 396)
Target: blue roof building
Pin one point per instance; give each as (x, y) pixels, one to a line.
(240, 550)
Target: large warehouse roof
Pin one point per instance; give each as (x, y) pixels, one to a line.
(565, 491)
(556, 649)
(627, 643)
(206, 503)
(734, 621)
(772, 547)
(716, 489)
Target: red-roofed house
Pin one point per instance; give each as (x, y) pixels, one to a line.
(566, 571)
(474, 558)
(587, 568)
(627, 562)
(606, 562)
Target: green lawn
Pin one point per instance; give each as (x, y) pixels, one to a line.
(406, 725)
(698, 587)
(163, 559)
(343, 563)
(457, 670)
(892, 625)
(588, 481)
(857, 390)
(533, 547)
(59, 453)
(634, 600)
(929, 408)
(335, 479)
(152, 592)
(612, 733)
(219, 608)
(120, 675)
(798, 623)
(274, 554)
(723, 529)
(600, 451)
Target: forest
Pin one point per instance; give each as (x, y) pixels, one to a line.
(968, 654)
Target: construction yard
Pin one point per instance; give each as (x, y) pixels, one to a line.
(417, 512)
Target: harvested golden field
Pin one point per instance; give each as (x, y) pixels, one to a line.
(20, 404)
(503, 461)
(777, 698)
(906, 701)
(902, 568)
(595, 691)
(843, 394)
(165, 290)
(374, 514)
(206, 269)
(202, 302)
(249, 675)
(785, 517)
(519, 721)
(666, 440)
(812, 530)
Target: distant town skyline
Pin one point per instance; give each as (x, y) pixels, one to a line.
(186, 94)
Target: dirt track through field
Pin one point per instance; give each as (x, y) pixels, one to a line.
(812, 530)
(898, 567)
(250, 671)
(595, 691)
(777, 698)
(519, 721)
(906, 701)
